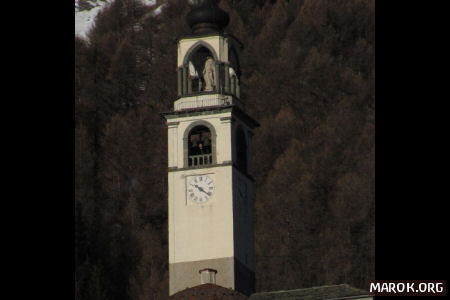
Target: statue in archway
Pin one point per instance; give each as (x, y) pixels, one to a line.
(208, 74)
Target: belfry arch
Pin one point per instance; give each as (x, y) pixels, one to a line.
(204, 69)
(191, 79)
(199, 144)
(196, 47)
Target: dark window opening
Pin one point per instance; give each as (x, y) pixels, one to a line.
(195, 70)
(241, 144)
(199, 146)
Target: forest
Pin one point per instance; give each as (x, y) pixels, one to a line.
(307, 78)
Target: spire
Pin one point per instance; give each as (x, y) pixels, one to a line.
(207, 17)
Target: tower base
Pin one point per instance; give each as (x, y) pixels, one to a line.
(230, 274)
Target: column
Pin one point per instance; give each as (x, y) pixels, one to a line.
(189, 85)
(184, 80)
(238, 88)
(216, 77)
(233, 85)
(227, 78)
(180, 78)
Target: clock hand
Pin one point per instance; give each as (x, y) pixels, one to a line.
(200, 189)
(205, 192)
(196, 186)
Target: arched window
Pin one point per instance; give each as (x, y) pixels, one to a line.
(234, 61)
(199, 146)
(241, 150)
(194, 63)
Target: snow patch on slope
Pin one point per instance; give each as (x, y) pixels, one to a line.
(149, 2)
(84, 19)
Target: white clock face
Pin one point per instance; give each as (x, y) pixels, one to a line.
(200, 188)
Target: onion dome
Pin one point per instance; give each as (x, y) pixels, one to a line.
(207, 17)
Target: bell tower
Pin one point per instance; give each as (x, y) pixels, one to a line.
(210, 183)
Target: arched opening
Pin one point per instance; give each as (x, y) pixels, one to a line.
(199, 70)
(199, 144)
(234, 73)
(234, 61)
(241, 150)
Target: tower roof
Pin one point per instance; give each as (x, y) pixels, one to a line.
(341, 291)
(207, 17)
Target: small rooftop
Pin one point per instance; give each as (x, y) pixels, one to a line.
(341, 291)
(207, 291)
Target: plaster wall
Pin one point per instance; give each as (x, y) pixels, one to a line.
(200, 231)
(243, 219)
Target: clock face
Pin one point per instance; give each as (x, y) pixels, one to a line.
(200, 188)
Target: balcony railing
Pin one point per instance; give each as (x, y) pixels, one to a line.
(203, 101)
(199, 160)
